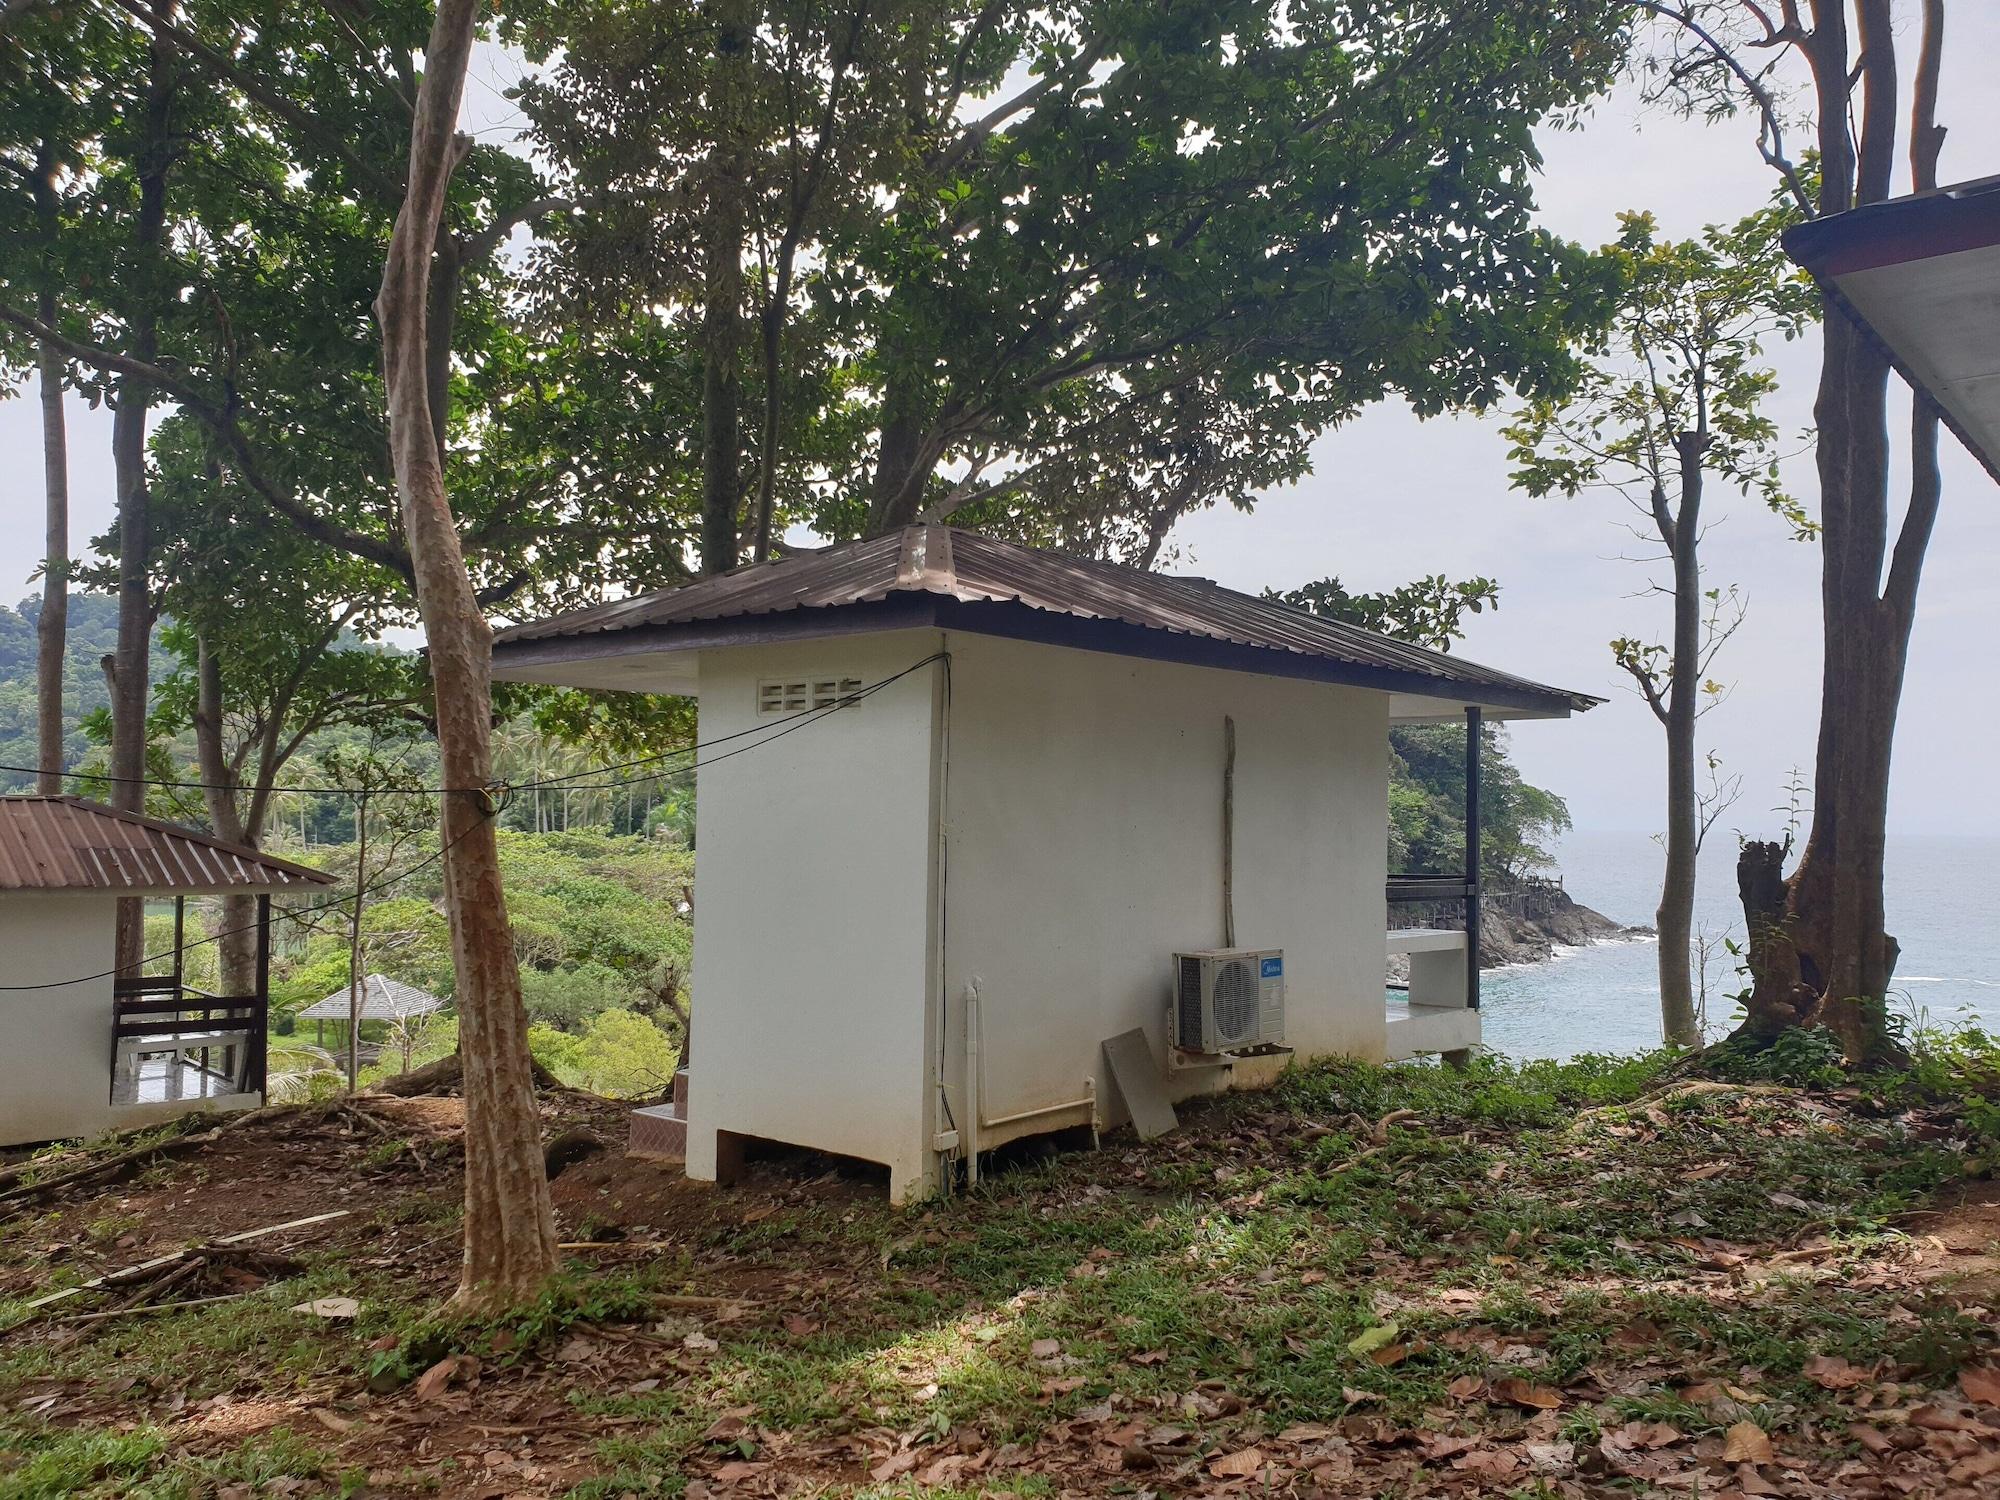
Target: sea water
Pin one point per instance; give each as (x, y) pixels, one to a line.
(1942, 897)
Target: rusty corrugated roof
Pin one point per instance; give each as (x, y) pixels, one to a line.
(72, 844)
(948, 562)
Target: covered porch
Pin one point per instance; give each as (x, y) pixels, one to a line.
(174, 1043)
(91, 1042)
(1436, 1010)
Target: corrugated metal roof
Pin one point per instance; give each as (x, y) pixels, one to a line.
(382, 999)
(72, 844)
(963, 565)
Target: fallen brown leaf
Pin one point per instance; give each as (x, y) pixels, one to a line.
(1306, 1432)
(1831, 1372)
(1240, 1464)
(1874, 1439)
(1519, 1392)
(440, 1376)
(1981, 1383)
(1746, 1443)
(892, 1466)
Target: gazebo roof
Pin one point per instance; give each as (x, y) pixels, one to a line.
(382, 999)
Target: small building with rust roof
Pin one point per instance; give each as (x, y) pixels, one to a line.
(971, 810)
(85, 1049)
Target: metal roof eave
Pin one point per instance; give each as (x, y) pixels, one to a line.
(1012, 620)
(1895, 233)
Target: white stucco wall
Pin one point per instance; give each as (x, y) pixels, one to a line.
(1084, 839)
(1070, 802)
(813, 956)
(55, 1044)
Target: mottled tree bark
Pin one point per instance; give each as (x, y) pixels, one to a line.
(236, 948)
(897, 489)
(509, 1224)
(52, 625)
(1675, 917)
(131, 662)
(722, 306)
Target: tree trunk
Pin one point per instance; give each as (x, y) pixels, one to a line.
(897, 491)
(52, 625)
(510, 1242)
(236, 948)
(1675, 919)
(1778, 998)
(722, 307)
(1837, 947)
(357, 982)
(1844, 953)
(131, 665)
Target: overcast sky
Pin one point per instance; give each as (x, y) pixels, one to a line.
(1392, 498)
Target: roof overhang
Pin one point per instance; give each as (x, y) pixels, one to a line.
(661, 658)
(54, 845)
(1922, 274)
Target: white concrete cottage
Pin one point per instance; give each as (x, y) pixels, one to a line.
(962, 804)
(84, 1050)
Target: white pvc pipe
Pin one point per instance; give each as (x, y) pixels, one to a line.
(973, 1102)
(1088, 1101)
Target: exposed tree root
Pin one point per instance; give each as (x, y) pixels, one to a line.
(447, 1076)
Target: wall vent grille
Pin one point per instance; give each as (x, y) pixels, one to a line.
(797, 695)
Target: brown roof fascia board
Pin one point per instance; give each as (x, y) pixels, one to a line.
(1893, 232)
(1922, 226)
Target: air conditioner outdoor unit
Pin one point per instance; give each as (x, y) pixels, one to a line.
(1228, 998)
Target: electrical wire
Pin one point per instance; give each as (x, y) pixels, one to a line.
(818, 711)
(547, 782)
(285, 916)
(792, 722)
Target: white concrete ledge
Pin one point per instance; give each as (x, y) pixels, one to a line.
(1424, 939)
(1414, 1030)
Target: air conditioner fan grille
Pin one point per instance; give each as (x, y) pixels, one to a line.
(1236, 1000)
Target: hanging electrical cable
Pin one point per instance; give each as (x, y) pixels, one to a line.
(494, 799)
(570, 780)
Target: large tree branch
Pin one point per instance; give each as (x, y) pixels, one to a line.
(1906, 564)
(1876, 67)
(977, 133)
(1926, 135)
(222, 425)
(772, 321)
(385, 185)
(477, 246)
(1771, 128)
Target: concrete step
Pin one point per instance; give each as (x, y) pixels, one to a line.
(657, 1132)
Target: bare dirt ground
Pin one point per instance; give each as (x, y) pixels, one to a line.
(1728, 1293)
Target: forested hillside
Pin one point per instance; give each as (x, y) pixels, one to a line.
(92, 634)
